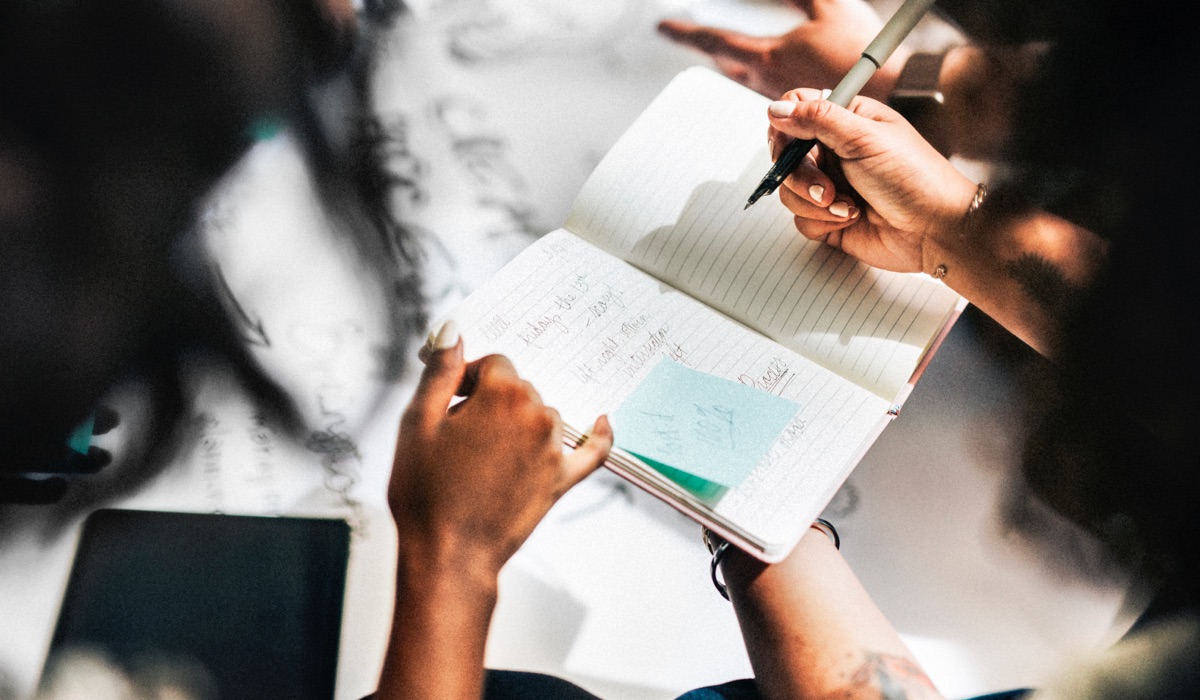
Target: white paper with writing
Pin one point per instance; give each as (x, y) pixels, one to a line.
(669, 197)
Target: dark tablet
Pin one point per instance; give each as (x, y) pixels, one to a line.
(228, 606)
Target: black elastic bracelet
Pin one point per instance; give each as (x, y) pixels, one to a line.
(827, 527)
(716, 547)
(716, 563)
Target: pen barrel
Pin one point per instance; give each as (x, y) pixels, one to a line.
(853, 83)
(898, 27)
(875, 55)
(789, 160)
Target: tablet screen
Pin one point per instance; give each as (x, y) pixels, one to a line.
(213, 606)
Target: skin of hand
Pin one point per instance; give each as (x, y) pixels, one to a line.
(501, 443)
(818, 52)
(873, 187)
(469, 483)
(979, 86)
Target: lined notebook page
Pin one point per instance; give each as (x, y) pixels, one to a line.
(669, 198)
(585, 327)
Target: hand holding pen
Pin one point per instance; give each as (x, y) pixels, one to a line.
(897, 203)
(874, 56)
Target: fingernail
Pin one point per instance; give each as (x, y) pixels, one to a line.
(826, 93)
(839, 209)
(816, 192)
(781, 109)
(447, 336)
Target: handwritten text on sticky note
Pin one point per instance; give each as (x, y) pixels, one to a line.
(712, 428)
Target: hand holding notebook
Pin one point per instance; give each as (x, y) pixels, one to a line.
(658, 262)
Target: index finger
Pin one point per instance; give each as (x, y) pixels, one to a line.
(713, 41)
(588, 456)
(486, 368)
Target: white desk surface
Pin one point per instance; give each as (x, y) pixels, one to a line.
(505, 107)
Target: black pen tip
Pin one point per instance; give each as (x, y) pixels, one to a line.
(758, 193)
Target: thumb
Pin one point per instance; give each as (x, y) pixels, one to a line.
(444, 369)
(588, 456)
(715, 42)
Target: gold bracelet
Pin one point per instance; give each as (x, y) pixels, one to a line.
(977, 201)
(981, 192)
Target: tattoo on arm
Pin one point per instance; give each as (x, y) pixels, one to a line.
(889, 677)
(1044, 283)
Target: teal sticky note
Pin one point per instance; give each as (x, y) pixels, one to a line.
(710, 428)
(705, 490)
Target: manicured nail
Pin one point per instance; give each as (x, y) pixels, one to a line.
(840, 209)
(447, 336)
(781, 109)
(816, 192)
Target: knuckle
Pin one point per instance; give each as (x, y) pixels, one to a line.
(511, 393)
(821, 109)
(544, 422)
(530, 391)
(488, 364)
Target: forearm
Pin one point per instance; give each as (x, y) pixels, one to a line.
(812, 631)
(1025, 272)
(436, 650)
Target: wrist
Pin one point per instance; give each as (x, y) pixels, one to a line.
(446, 565)
(742, 569)
(948, 245)
(443, 608)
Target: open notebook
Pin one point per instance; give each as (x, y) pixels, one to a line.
(658, 261)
